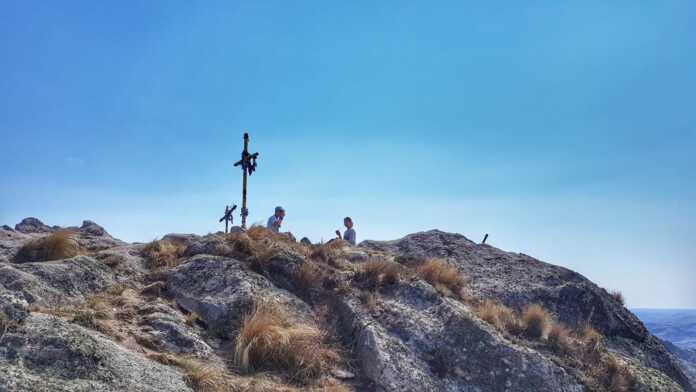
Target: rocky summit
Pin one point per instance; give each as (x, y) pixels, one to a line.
(257, 311)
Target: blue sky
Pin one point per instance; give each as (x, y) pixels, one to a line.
(566, 131)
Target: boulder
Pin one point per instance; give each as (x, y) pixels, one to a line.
(32, 225)
(55, 283)
(517, 279)
(91, 228)
(46, 353)
(420, 341)
(222, 290)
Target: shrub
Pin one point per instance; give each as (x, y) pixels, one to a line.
(55, 246)
(376, 273)
(618, 297)
(269, 337)
(536, 321)
(559, 339)
(444, 277)
(163, 253)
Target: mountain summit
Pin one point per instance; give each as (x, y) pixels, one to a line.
(257, 311)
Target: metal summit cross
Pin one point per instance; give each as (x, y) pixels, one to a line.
(248, 164)
(228, 216)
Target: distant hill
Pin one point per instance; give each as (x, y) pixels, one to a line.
(674, 325)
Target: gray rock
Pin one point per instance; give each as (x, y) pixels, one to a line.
(32, 225)
(305, 241)
(46, 353)
(165, 330)
(517, 279)
(91, 228)
(56, 282)
(222, 290)
(421, 341)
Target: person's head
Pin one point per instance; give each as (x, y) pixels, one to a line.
(347, 222)
(279, 212)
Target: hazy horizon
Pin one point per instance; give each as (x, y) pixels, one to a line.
(566, 132)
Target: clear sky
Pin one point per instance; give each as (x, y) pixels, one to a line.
(567, 132)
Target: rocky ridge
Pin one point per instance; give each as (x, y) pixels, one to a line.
(166, 316)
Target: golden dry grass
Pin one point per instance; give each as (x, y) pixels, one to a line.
(269, 337)
(614, 375)
(191, 319)
(559, 339)
(376, 273)
(536, 321)
(259, 233)
(307, 276)
(241, 243)
(55, 246)
(163, 253)
(444, 277)
(5, 325)
(500, 316)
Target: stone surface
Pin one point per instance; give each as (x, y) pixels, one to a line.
(222, 290)
(405, 336)
(517, 279)
(32, 225)
(46, 353)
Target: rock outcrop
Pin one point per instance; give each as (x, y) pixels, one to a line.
(120, 318)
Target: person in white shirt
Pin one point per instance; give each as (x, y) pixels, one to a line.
(349, 234)
(276, 220)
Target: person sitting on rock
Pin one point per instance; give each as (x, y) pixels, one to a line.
(276, 220)
(349, 234)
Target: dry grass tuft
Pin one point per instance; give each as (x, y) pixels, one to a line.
(241, 243)
(269, 337)
(308, 276)
(592, 341)
(259, 233)
(536, 321)
(614, 375)
(5, 325)
(163, 253)
(444, 277)
(500, 316)
(191, 319)
(369, 299)
(376, 273)
(618, 297)
(559, 339)
(55, 246)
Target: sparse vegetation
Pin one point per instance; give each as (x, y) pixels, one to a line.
(307, 277)
(376, 273)
(536, 321)
(191, 319)
(500, 316)
(559, 339)
(618, 297)
(55, 246)
(5, 325)
(270, 337)
(444, 277)
(163, 253)
(614, 375)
